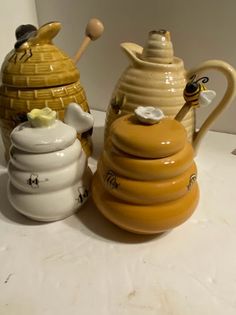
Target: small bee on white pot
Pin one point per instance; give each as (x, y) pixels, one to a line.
(49, 177)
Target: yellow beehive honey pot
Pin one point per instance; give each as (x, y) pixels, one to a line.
(146, 177)
(36, 73)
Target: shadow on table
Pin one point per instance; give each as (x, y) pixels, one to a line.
(91, 222)
(88, 220)
(7, 212)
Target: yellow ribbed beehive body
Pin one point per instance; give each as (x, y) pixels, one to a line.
(35, 75)
(154, 78)
(146, 177)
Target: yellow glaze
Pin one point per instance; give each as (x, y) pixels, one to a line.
(153, 141)
(38, 74)
(144, 219)
(147, 192)
(146, 177)
(148, 169)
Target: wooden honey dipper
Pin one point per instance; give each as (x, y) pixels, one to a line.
(93, 31)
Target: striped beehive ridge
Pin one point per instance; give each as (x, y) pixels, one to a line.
(146, 177)
(37, 74)
(155, 77)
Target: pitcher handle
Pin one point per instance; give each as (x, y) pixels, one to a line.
(229, 72)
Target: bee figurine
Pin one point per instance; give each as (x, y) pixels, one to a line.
(195, 94)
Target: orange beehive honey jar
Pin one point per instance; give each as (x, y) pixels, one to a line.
(146, 181)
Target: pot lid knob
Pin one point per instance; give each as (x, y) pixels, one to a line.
(159, 48)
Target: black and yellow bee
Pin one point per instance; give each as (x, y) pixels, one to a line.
(110, 179)
(193, 89)
(195, 94)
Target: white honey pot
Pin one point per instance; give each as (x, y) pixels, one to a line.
(155, 77)
(49, 177)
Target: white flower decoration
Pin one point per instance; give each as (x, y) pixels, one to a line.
(148, 114)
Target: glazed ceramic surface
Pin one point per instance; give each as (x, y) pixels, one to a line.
(155, 77)
(146, 177)
(49, 178)
(36, 74)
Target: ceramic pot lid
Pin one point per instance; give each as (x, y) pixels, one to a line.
(36, 62)
(43, 139)
(159, 140)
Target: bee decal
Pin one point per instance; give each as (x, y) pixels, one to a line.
(196, 92)
(19, 118)
(117, 103)
(192, 180)
(110, 180)
(83, 194)
(34, 181)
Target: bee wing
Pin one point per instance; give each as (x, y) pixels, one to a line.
(206, 97)
(34, 180)
(77, 118)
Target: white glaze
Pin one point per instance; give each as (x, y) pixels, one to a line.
(206, 97)
(77, 118)
(48, 174)
(148, 114)
(45, 162)
(51, 205)
(42, 140)
(49, 180)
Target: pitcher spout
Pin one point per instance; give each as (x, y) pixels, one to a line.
(157, 50)
(133, 51)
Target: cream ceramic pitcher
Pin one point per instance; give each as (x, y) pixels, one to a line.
(155, 77)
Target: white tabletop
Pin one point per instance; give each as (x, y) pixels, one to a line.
(86, 265)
